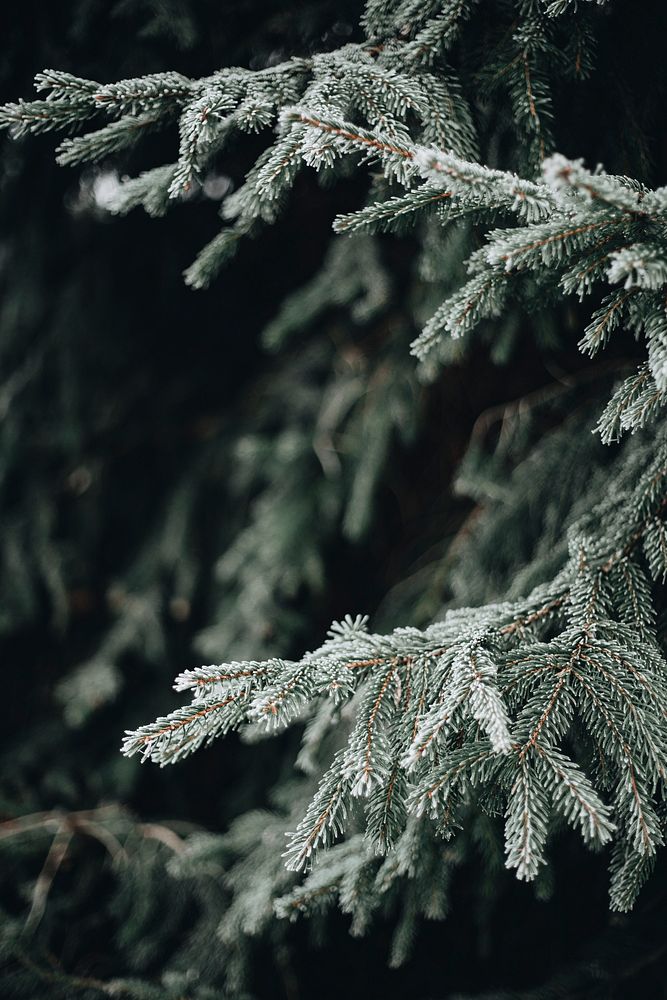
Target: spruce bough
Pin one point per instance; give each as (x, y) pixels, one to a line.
(549, 705)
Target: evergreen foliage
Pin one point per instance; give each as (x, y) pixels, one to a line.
(516, 684)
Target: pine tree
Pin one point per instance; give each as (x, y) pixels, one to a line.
(514, 685)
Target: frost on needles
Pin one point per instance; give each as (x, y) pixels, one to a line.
(546, 708)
